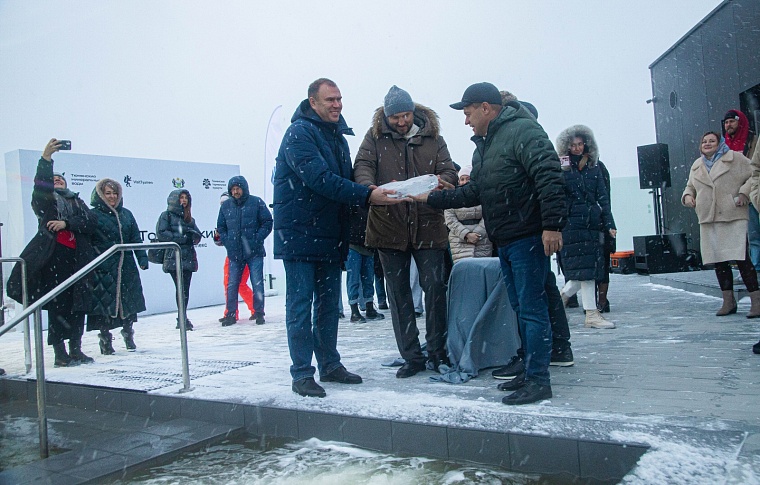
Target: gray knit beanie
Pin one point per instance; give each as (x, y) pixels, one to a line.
(60, 174)
(397, 101)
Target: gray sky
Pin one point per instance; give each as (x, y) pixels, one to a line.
(198, 81)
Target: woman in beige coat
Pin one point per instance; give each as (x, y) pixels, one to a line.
(719, 189)
(467, 231)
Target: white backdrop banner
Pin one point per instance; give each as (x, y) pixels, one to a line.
(146, 184)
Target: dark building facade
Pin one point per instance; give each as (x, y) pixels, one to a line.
(713, 68)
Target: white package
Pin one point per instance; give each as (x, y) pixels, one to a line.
(413, 186)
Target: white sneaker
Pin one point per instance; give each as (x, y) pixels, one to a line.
(594, 319)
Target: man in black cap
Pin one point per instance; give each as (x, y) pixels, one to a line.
(516, 177)
(405, 142)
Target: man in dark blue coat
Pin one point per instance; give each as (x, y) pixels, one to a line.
(313, 189)
(243, 224)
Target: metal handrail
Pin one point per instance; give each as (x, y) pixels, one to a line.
(24, 303)
(36, 309)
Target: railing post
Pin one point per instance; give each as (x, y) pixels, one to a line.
(2, 290)
(41, 394)
(182, 320)
(27, 334)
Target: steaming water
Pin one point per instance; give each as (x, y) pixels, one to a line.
(19, 441)
(316, 462)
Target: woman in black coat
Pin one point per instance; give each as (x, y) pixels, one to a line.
(176, 224)
(589, 217)
(117, 292)
(60, 248)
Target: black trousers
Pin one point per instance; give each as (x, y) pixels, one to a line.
(186, 277)
(64, 325)
(434, 282)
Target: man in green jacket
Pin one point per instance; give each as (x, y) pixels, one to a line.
(516, 177)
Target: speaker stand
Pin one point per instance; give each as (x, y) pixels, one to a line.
(659, 225)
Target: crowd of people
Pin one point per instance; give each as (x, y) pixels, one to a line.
(521, 199)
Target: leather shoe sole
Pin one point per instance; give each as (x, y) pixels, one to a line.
(409, 369)
(308, 388)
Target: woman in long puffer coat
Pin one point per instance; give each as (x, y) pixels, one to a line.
(60, 248)
(117, 292)
(176, 224)
(467, 230)
(588, 218)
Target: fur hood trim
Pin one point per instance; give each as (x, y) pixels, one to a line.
(424, 117)
(98, 197)
(566, 138)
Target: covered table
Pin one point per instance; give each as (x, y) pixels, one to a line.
(482, 327)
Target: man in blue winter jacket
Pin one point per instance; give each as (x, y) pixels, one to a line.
(313, 189)
(243, 224)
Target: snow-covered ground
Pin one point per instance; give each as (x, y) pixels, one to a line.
(669, 376)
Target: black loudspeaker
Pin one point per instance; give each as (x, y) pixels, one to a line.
(654, 166)
(665, 253)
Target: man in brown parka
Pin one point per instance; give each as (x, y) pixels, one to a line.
(404, 142)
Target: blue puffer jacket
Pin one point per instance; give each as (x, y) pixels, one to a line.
(313, 188)
(243, 223)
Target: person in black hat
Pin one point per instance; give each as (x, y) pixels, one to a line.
(516, 176)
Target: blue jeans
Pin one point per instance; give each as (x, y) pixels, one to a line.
(525, 267)
(360, 275)
(307, 283)
(753, 232)
(256, 267)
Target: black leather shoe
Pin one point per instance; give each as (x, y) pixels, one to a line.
(308, 388)
(517, 383)
(531, 392)
(409, 369)
(342, 376)
(228, 320)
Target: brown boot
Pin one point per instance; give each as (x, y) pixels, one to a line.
(729, 304)
(754, 310)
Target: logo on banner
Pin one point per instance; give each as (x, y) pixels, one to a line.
(206, 183)
(129, 181)
(178, 182)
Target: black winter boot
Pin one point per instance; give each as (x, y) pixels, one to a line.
(356, 317)
(128, 334)
(62, 358)
(75, 352)
(371, 313)
(105, 338)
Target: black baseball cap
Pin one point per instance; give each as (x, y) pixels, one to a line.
(479, 93)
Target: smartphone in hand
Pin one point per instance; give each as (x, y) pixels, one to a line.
(64, 144)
